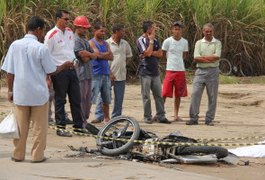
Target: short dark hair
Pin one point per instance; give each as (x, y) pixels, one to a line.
(97, 25)
(177, 23)
(35, 22)
(117, 27)
(147, 25)
(59, 13)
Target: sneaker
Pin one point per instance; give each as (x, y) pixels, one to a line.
(148, 121)
(61, 132)
(209, 123)
(190, 122)
(164, 121)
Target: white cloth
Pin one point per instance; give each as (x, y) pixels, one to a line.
(257, 151)
(174, 54)
(30, 62)
(120, 52)
(60, 44)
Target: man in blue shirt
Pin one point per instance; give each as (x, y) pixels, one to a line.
(27, 64)
(100, 68)
(150, 51)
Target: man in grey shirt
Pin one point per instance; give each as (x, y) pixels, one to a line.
(84, 72)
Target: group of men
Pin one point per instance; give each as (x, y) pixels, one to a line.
(175, 49)
(90, 80)
(85, 70)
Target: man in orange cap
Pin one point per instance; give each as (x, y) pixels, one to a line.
(83, 53)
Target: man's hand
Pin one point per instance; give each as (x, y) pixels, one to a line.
(112, 77)
(141, 56)
(82, 53)
(151, 36)
(49, 82)
(68, 65)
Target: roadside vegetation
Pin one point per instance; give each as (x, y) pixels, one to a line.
(239, 24)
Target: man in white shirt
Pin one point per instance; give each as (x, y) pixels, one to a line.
(27, 64)
(122, 53)
(175, 48)
(60, 42)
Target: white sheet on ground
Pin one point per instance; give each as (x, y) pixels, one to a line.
(257, 151)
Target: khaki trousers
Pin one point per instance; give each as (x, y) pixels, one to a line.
(39, 117)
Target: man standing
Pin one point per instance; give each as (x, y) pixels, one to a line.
(175, 48)
(206, 53)
(122, 53)
(150, 51)
(60, 42)
(100, 68)
(84, 53)
(27, 64)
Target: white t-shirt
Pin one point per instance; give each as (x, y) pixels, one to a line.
(175, 51)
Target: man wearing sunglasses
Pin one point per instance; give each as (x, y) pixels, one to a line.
(60, 42)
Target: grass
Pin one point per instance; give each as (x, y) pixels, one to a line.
(239, 24)
(222, 79)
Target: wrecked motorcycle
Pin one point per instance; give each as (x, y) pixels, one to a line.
(123, 136)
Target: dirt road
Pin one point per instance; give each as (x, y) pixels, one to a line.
(240, 113)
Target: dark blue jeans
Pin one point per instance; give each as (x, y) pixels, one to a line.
(67, 83)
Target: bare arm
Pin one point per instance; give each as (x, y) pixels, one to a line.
(185, 55)
(86, 56)
(158, 53)
(105, 55)
(149, 51)
(10, 82)
(206, 59)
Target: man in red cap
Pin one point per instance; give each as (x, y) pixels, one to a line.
(84, 72)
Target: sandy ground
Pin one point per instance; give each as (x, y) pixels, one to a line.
(240, 113)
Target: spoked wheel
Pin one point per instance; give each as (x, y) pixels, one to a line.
(117, 136)
(225, 67)
(245, 69)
